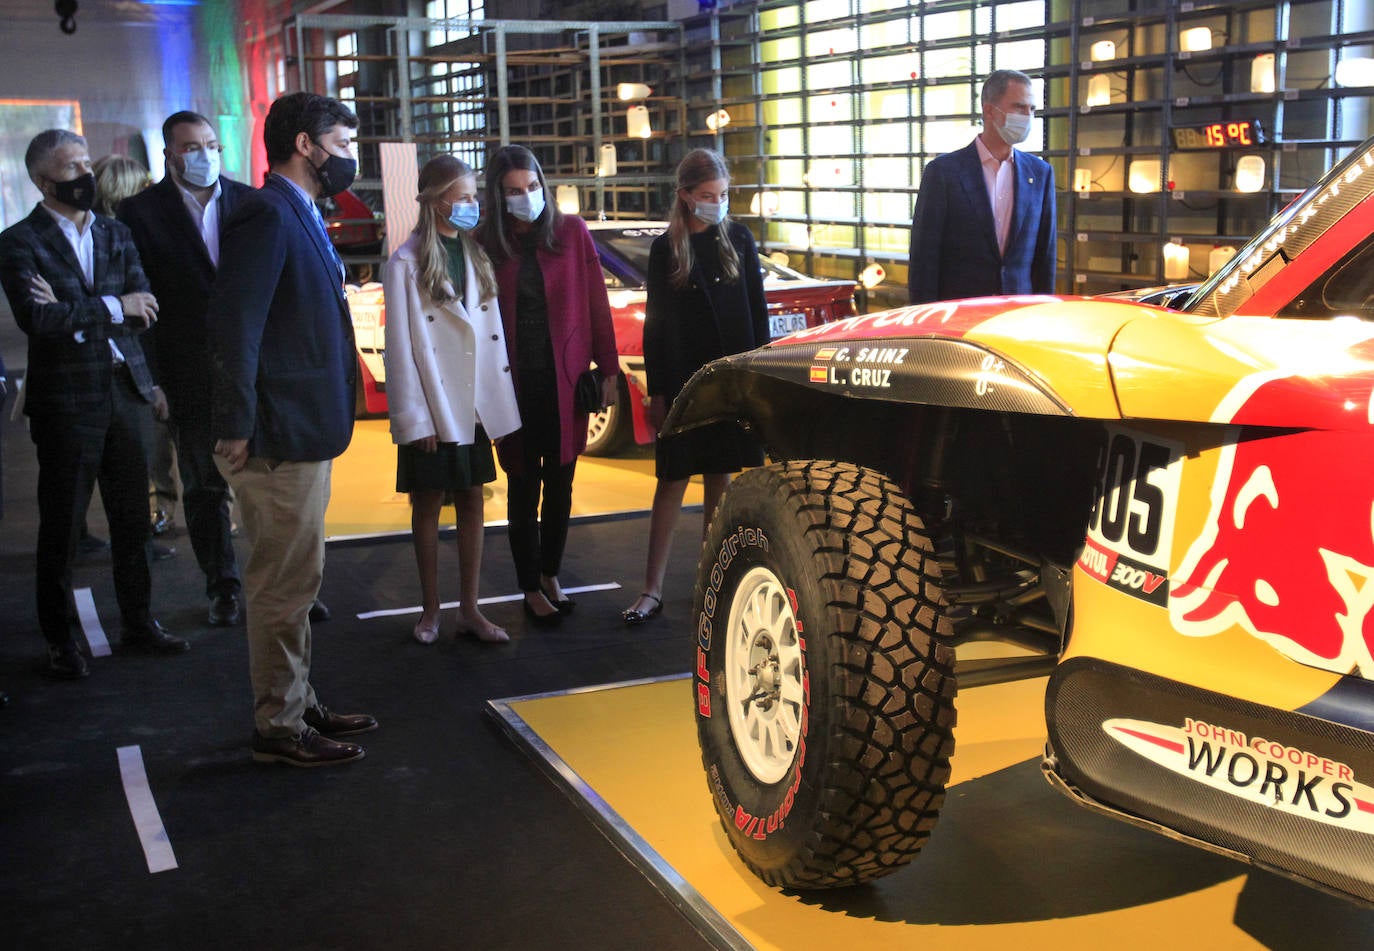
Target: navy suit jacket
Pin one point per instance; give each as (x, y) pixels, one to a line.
(281, 337)
(66, 375)
(181, 273)
(954, 250)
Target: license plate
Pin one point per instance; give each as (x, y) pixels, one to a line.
(781, 324)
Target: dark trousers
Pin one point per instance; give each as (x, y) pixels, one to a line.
(206, 500)
(537, 538)
(75, 453)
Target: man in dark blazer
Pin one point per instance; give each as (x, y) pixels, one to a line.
(78, 292)
(176, 226)
(985, 219)
(283, 361)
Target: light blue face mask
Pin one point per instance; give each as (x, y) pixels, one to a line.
(526, 207)
(464, 215)
(202, 167)
(712, 213)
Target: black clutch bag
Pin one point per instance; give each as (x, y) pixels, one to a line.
(587, 392)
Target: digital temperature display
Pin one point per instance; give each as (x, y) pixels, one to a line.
(1237, 134)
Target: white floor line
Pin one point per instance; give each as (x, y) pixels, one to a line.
(499, 599)
(90, 622)
(157, 848)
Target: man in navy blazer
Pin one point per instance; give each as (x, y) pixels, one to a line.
(78, 292)
(985, 219)
(283, 367)
(176, 225)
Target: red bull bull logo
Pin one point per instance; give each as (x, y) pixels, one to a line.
(1287, 549)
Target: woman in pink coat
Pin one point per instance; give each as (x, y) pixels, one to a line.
(558, 322)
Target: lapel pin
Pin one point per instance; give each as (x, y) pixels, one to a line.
(1031, 180)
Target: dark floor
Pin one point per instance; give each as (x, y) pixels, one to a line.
(444, 836)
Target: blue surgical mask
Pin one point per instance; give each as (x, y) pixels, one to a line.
(712, 213)
(201, 167)
(526, 207)
(463, 215)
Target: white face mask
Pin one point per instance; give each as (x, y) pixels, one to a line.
(526, 207)
(1014, 128)
(202, 167)
(710, 212)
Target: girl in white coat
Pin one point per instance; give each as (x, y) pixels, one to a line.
(448, 384)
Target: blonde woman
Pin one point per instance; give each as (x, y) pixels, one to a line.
(705, 300)
(117, 177)
(448, 384)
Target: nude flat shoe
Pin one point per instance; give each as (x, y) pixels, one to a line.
(427, 633)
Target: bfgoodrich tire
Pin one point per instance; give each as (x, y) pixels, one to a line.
(824, 690)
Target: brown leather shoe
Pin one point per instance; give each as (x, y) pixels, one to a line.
(306, 748)
(338, 724)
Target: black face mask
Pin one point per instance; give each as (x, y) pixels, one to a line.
(335, 174)
(79, 193)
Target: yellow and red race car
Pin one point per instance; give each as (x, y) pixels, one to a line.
(1170, 513)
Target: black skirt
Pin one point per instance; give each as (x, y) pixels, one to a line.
(707, 450)
(450, 468)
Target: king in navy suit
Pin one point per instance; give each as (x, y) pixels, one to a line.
(985, 217)
(283, 366)
(78, 291)
(176, 225)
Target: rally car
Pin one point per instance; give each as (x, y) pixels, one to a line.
(1168, 512)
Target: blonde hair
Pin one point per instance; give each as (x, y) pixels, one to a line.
(699, 165)
(436, 178)
(117, 177)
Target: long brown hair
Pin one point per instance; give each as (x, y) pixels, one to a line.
(495, 227)
(437, 177)
(699, 165)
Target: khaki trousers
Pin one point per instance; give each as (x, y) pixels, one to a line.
(282, 504)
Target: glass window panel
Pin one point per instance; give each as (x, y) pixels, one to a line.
(787, 141)
(836, 108)
(781, 80)
(782, 112)
(891, 104)
(890, 240)
(938, 26)
(833, 236)
(889, 172)
(878, 6)
(828, 75)
(948, 101)
(785, 50)
(779, 19)
(946, 64)
(818, 11)
(886, 33)
(1020, 16)
(889, 138)
(830, 172)
(1021, 54)
(786, 171)
(832, 42)
(901, 67)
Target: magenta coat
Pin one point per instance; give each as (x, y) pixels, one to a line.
(579, 326)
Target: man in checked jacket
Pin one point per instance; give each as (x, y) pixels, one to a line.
(77, 291)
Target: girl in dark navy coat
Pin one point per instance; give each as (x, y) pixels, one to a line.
(705, 300)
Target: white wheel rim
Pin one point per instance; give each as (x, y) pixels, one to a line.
(763, 676)
(598, 423)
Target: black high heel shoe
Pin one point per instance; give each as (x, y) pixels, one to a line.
(634, 618)
(541, 620)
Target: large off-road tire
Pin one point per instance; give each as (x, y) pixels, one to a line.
(609, 430)
(824, 684)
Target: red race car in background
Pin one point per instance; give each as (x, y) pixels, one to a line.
(795, 302)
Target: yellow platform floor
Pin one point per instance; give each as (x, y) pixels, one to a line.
(1013, 864)
(364, 500)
